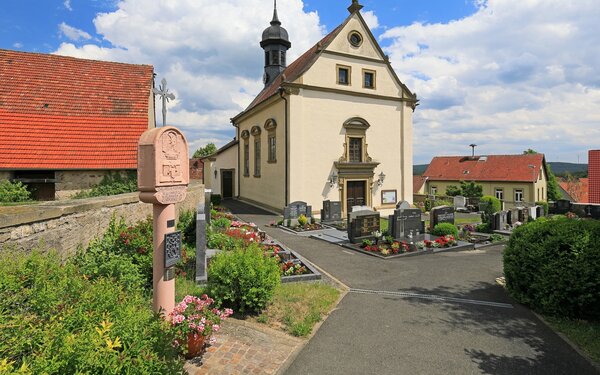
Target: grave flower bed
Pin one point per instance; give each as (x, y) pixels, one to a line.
(441, 242)
(386, 248)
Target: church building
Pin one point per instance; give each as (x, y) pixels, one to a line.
(336, 124)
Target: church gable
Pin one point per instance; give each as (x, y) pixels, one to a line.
(356, 39)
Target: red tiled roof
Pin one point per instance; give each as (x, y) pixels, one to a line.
(295, 69)
(577, 189)
(485, 168)
(418, 182)
(61, 112)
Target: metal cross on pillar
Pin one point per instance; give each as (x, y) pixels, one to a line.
(165, 95)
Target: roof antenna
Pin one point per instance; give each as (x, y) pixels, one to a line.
(473, 145)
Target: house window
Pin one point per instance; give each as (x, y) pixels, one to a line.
(500, 194)
(272, 148)
(368, 79)
(343, 75)
(518, 195)
(543, 197)
(246, 159)
(433, 190)
(257, 157)
(538, 194)
(355, 150)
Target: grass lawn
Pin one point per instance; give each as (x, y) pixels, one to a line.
(383, 224)
(297, 307)
(586, 335)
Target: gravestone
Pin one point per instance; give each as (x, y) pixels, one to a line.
(295, 209)
(202, 222)
(402, 222)
(540, 211)
(483, 205)
(460, 203)
(441, 214)
(402, 205)
(532, 211)
(362, 224)
(513, 216)
(499, 220)
(563, 206)
(331, 212)
(163, 176)
(523, 215)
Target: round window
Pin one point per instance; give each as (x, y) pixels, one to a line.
(355, 38)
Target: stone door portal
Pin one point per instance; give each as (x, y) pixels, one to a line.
(356, 194)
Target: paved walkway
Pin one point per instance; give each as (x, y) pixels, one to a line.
(245, 348)
(430, 314)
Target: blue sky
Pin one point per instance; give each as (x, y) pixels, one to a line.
(505, 74)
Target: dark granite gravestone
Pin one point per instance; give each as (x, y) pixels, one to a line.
(562, 206)
(362, 224)
(402, 222)
(331, 212)
(540, 211)
(523, 214)
(483, 205)
(295, 209)
(442, 214)
(513, 216)
(202, 216)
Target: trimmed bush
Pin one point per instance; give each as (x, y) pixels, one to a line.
(244, 280)
(553, 267)
(444, 229)
(493, 205)
(483, 228)
(11, 192)
(57, 321)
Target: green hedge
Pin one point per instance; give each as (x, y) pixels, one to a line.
(554, 267)
(444, 229)
(55, 320)
(11, 192)
(243, 279)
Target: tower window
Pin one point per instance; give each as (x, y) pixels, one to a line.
(283, 58)
(266, 58)
(274, 57)
(343, 75)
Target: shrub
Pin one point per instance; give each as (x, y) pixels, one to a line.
(221, 223)
(553, 266)
(483, 228)
(302, 220)
(56, 321)
(128, 248)
(215, 199)
(223, 241)
(444, 229)
(112, 184)
(492, 205)
(11, 192)
(187, 225)
(453, 190)
(243, 280)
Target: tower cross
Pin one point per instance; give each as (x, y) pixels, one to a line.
(165, 95)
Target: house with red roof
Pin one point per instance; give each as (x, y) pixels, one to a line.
(66, 121)
(574, 189)
(514, 179)
(335, 124)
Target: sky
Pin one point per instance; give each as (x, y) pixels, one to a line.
(507, 75)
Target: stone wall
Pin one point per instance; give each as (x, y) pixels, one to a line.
(65, 225)
(69, 183)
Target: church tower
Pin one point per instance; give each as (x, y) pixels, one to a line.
(275, 42)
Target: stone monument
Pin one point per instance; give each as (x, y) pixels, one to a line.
(163, 176)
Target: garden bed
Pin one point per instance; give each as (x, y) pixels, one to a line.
(293, 267)
(422, 244)
(303, 228)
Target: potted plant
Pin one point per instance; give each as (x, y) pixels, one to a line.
(193, 320)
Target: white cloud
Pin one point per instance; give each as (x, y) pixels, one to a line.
(73, 33)
(371, 19)
(18, 45)
(515, 75)
(67, 4)
(207, 50)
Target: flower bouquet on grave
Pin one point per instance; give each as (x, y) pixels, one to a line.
(194, 320)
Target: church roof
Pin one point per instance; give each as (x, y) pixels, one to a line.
(294, 70)
(60, 112)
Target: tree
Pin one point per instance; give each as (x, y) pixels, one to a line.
(471, 189)
(209, 149)
(529, 152)
(553, 190)
(453, 191)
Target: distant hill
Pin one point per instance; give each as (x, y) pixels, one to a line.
(557, 167)
(562, 168)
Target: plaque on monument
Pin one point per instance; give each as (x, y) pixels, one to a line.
(295, 209)
(172, 248)
(362, 224)
(442, 214)
(403, 222)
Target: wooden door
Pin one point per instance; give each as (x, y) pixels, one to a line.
(227, 184)
(356, 194)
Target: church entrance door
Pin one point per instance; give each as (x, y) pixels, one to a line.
(356, 194)
(227, 184)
